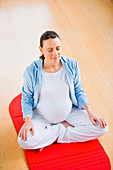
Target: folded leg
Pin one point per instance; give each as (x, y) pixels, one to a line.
(45, 134)
(83, 129)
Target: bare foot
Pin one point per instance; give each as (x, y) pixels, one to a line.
(41, 149)
(66, 124)
(55, 140)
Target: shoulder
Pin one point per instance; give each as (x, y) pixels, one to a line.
(69, 59)
(34, 66)
(72, 62)
(32, 70)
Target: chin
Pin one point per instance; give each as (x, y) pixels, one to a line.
(56, 60)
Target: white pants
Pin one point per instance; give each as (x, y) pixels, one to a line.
(46, 133)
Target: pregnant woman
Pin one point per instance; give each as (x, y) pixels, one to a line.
(54, 104)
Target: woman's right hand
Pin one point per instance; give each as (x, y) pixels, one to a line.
(28, 126)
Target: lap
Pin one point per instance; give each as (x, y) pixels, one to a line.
(39, 122)
(78, 117)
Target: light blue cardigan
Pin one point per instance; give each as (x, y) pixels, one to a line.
(33, 80)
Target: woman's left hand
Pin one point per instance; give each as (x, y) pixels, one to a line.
(94, 117)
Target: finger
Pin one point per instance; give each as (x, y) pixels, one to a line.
(94, 123)
(22, 135)
(33, 131)
(103, 123)
(26, 135)
(100, 123)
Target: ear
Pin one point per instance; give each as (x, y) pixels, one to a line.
(41, 49)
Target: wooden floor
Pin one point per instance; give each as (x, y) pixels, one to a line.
(86, 30)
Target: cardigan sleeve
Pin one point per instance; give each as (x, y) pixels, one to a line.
(79, 92)
(27, 94)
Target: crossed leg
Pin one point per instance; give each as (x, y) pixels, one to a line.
(81, 129)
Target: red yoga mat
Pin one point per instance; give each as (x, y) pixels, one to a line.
(68, 156)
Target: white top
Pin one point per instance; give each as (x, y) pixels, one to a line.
(54, 101)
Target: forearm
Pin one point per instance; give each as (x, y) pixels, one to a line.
(26, 108)
(27, 119)
(87, 108)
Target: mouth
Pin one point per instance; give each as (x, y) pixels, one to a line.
(55, 58)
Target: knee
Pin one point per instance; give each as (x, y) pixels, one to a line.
(104, 130)
(23, 144)
(100, 132)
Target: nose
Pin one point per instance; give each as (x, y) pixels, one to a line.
(54, 52)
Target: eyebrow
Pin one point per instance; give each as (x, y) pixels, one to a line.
(52, 48)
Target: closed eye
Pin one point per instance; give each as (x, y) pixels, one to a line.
(58, 48)
(51, 49)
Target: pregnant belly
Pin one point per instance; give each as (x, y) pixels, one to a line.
(55, 113)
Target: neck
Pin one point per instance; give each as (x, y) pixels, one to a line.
(52, 67)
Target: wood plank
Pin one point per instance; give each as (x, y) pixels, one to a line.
(85, 27)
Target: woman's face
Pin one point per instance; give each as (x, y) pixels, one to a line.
(52, 50)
